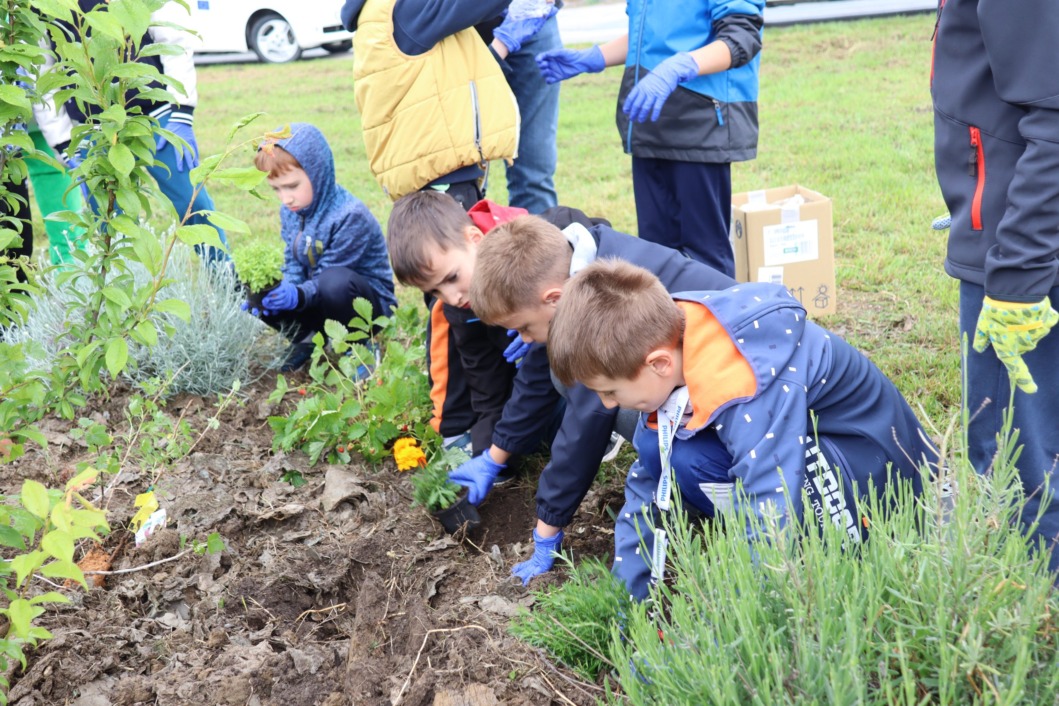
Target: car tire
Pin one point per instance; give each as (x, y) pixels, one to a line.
(339, 47)
(272, 39)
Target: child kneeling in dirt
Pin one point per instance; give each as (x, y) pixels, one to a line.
(334, 249)
(796, 408)
(518, 275)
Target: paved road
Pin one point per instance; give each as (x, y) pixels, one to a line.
(590, 24)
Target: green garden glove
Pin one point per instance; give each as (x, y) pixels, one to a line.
(1014, 328)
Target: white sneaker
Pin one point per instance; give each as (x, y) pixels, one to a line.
(613, 447)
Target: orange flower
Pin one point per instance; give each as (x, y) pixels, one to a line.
(407, 454)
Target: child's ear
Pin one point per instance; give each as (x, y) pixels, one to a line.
(661, 361)
(551, 296)
(473, 235)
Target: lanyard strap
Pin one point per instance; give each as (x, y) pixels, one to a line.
(670, 415)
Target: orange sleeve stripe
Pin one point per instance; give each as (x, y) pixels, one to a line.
(715, 371)
(439, 362)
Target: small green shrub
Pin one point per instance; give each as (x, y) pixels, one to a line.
(432, 488)
(338, 414)
(259, 265)
(573, 622)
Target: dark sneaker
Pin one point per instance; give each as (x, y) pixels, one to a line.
(297, 355)
(462, 442)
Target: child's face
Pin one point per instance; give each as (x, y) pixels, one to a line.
(449, 275)
(531, 323)
(293, 188)
(644, 393)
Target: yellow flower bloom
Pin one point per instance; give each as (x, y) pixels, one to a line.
(407, 454)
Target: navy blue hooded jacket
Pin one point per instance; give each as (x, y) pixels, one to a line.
(585, 431)
(335, 230)
(996, 143)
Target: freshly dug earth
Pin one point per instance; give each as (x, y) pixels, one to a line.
(335, 592)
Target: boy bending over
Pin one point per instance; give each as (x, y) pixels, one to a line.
(518, 278)
(796, 407)
(334, 249)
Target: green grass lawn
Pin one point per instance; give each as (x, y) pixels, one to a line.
(845, 110)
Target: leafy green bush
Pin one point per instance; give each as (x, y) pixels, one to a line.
(40, 528)
(202, 354)
(935, 608)
(336, 414)
(258, 265)
(573, 622)
(432, 487)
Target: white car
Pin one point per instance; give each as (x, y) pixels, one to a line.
(276, 30)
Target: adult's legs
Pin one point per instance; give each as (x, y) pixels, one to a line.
(177, 187)
(530, 179)
(686, 206)
(986, 391)
(55, 191)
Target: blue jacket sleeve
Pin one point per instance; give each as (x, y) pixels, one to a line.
(576, 454)
(634, 532)
(529, 411)
(420, 24)
(293, 272)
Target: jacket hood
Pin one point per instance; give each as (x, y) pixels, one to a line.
(308, 146)
(351, 13)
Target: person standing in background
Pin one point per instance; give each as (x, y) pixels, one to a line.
(996, 152)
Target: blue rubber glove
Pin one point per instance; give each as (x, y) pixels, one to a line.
(283, 298)
(651, 92)
(245, 306)
(517, 28)
(544, 550)
(561, 64)
(189, 159)
(477, 475)
(516, 351)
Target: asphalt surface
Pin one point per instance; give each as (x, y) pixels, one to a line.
(591, 24)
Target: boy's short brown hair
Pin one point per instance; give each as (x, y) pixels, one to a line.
(515, 264)
(416, 220)
(611, 315)
(274, 160)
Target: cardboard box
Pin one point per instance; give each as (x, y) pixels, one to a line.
(777, 240)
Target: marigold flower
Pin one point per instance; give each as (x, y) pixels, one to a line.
(407, 454)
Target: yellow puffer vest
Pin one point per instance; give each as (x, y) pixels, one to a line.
(426, 116)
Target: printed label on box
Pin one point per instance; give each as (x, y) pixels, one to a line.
(791, 242)
(772, 275)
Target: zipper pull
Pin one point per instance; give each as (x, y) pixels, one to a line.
(972, 162)
(717, 108)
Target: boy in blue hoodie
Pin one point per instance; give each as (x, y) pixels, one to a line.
(334, 249)
(796, 409)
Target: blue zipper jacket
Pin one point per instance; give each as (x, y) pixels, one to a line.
(761, 378)
(585, 430)
(711, 118)
(335, 230)
(996, 143)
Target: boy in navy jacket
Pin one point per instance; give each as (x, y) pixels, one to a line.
(334, 250)
(520, 270)
(797, 409)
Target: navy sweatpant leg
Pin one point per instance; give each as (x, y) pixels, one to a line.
(686, 206)
(337, 287)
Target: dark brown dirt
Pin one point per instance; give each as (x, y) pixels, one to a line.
(338, 592)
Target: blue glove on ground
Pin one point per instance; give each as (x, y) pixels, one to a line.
(517, 349)
(477, 475)
(651, 92)
(190, 157)
(544, 549)
(283, 298)
(561, 64)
